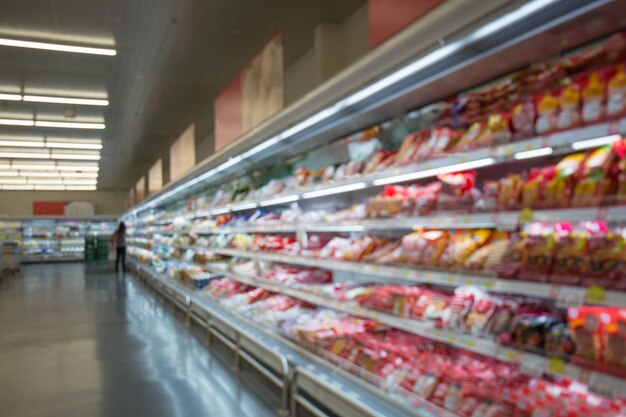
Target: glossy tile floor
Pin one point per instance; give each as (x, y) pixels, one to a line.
(76, 340)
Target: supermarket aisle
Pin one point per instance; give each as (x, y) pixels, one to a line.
(81, 342)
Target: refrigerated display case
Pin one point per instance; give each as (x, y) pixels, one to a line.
(449, 240)
(54, 239)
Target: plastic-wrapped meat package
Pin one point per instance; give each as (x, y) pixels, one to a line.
(538, 253)
(569, 254)
(606, 252)
(489, 256)
(316, 246)
(410, 146)
(357, 249)
(455, 313)
(383, 249)
(461, 245)
(512, 259)
(523, 119)
(377, 158)
(424, 247)
(616, 92)
(483, 309)
(248, 269)
(335, 247)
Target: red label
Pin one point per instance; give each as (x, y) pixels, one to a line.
(49, 208)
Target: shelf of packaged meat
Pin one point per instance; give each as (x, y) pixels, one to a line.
(362, 398)
(485, 346)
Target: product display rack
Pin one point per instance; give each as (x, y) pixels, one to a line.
(181, 238)
(54, 239)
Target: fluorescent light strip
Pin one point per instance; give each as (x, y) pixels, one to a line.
(45, 182)
(78, 174)
(77, 156)
(13, 181)
(534, 153)
(68, 167)
(17, 122)
(26, 155)
(73, 145)
(222, 210)
(592, 143)
(17, 187)
(19, 165)
(22, 143)
(433, 57)
(9, 174)
(67, 100)
(69, 125)
(40, 174)
(335, 190)
(57, 47)
(12, 97)
(80, 182)
(464, 166)
(50, 187)
(81, 188)
(244, 206)
(279, 200)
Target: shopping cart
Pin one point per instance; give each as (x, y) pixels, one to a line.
(10, 258)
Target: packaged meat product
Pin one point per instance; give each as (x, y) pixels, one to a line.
(594, 182)
(585, 327)
(538, 252)
(593, 98)
(513, 257)
(424, 247)
(510, 191)
(606, 252)
(559, 341)
(490, 255)
(523, 119)
(469, 140)
(531, 330)
(615, 337)
(483, 309)
(410, 146)
(534, 189)
(499, 128)
(461, 245)
(547, 113)
(616, 93)
(570, 255)
(560, 187)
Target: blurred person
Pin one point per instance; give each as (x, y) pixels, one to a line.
(119, 239)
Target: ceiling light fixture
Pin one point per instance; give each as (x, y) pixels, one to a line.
(80, 182)
(22, 143)
(41, 174)
(9, 174)
(25, 165)
(57, 47)
(77, 167)
(17, 154)
(78, 174)
(74, 145)
(17, 187)
(67, 100)
(335, 190)
(49, 187)
(77, 156)
(17, 122)
(81, 188)
(12, 97)
(37, 181)
(12, 180)
(69, 125)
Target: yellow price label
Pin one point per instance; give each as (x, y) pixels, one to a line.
(511, 356)
(438, 333)
(469, 343)
(556, 366)
(595, 294)
(451, 339)
(526, 215)
(528, 147)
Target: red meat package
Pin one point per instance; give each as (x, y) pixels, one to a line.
(606, 252)
(510, 191)
(616, 93)
(615, 337)
(538, 253)
(595, 182)
(593, 87)
(586, 330)
(569, 101)
(547, 113)
(570, 255)
(559, 189)
(410, 146)
(424, 247)
(523, 119)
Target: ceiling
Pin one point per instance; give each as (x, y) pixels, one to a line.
(173, 56)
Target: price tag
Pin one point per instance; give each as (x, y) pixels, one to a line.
(526, 215)
(438, 334)
(556, 366)
(603, 385)
(488, 284)
(468, 343)
(533, 365)
(511, 356)
(570, 296)
(428, 277)
(528, 147)
(451, 280)
(595, 294)
(451, 339)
